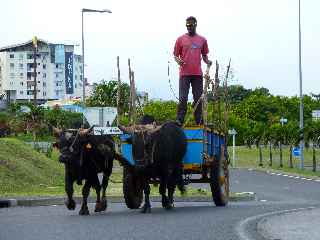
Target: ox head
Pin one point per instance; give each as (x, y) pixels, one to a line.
(143, 138)
(69, 143)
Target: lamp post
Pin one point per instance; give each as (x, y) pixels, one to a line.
(84, 10)
(301, 96)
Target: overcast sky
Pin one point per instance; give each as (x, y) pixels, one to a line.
(261, 37)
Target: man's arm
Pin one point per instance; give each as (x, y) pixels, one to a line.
(206, 60)
(179, 60)
(177, 53)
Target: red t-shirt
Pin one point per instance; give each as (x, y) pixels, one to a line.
(189, 49)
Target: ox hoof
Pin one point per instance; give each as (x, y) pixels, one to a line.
(70, 204)
(101, 206)
(146, 209)
(84, 211)
(169, 206)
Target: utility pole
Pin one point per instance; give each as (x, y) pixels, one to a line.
(35, 46)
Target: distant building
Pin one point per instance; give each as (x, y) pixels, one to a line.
(142, 97)
(58, 71)
(316, 115)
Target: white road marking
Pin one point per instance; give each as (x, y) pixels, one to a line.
(242, 225)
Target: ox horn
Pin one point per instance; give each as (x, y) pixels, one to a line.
(83, 132)
(128, 130)
(155, 129)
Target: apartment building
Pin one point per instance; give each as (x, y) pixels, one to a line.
(58, 72)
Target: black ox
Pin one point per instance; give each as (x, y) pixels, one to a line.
(158, 153)
(84, 156)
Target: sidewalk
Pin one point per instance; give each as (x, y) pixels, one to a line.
(293, 225)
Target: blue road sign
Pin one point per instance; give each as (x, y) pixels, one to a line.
(296, 152)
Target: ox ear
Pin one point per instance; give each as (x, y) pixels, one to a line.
(128, 130)
(56, 132)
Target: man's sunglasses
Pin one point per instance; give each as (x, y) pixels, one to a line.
(191, 24)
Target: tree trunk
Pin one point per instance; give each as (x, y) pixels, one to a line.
(280, 148)
(314, 162)
(260, 156)
(270, 154)
(290, 157)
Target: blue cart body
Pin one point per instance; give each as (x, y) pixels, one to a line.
(199, 140)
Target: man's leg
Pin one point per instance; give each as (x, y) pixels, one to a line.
(184, 85)
(197, 89)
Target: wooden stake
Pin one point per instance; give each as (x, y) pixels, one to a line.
(118, 92)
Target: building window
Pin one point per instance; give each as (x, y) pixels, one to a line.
(29, 56)
(21, 65)
(11, 55)
(57, 65)
(21, 83)
(57, 75)
(11, 83)
(44, 75)
(21, 56)
(75, 77)
(11, 75)
(21, 75)
(11, 65)
(21, 92)
(44, 84)
(44, 94)
(44, 66)
(75, 86)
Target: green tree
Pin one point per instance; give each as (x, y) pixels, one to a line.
(105, 95)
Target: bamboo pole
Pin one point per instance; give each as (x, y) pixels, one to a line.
(130, 98)
(118, 92)
(133, 98)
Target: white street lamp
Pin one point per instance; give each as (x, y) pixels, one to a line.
(83, 78)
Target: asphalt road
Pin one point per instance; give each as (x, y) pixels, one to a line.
(197, 220)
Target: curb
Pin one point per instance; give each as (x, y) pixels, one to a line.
(46, 201)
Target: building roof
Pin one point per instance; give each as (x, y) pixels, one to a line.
(5, 49)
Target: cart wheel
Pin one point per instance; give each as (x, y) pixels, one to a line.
(132, 190)
(219, 180)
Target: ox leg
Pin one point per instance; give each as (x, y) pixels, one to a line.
(97, 187)
(69, 202)
(162, 190)
(105, 182)
(171, 190)
(147, 206)
(85, 194)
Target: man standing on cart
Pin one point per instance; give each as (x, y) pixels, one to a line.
(188, 50)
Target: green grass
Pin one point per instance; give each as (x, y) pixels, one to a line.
(249, 158)
(24, 170)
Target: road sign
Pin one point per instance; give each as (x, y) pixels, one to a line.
(296, 152)
(232, 132)
(106, 131)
